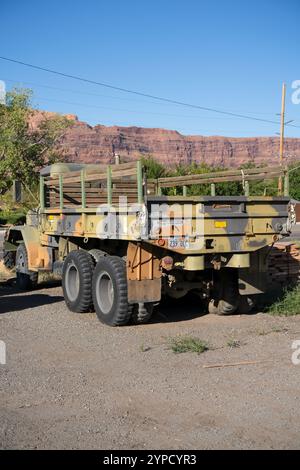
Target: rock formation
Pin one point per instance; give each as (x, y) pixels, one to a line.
(88, 144)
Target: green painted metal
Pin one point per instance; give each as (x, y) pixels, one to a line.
(61, 192)
(139, 170)
(83, 194)
(42, 193)
(246, 188)
(286, 187)
(109, 185)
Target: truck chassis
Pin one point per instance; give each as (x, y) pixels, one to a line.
(120, 244)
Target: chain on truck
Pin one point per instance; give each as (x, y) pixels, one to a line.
(121, 245)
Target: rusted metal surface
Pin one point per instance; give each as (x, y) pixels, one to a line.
(143, 273)
(297, 210)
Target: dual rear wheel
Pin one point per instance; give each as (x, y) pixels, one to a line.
(100, 284)
(226, 297)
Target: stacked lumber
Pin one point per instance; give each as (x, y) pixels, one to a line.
(284, 264)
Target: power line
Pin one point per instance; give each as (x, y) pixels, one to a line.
(122, 110)
(37, 98)
(138, 93)
(41, 98)
(80, 92)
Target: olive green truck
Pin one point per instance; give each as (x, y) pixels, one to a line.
(121, 244)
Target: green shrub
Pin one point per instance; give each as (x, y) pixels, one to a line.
(188, 344)
(288, 305)
(12, 217)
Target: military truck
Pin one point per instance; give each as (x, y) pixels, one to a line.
(120, 244)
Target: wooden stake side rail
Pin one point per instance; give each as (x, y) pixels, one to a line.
(242, 175)
(231, 172)
(77, 188)
(187, 182)
(222, 176)
(121, 171)
(88, 187)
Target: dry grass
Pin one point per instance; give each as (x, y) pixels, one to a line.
(187, 344)
(4, 272)
(233, 343)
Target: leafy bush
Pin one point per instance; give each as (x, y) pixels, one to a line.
(288, 305)
(12, 217)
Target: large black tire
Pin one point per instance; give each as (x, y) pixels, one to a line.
(96, 254)
(226, 308)
(246, 304)
(226, 295)
(9, 260)
(77, 281)
(142, 312)
(25, 279)
(110, 291)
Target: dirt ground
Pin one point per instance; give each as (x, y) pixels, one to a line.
(72, 383)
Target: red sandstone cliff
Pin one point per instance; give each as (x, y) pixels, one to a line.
(84, 143)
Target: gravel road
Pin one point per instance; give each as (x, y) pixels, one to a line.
(71, 382)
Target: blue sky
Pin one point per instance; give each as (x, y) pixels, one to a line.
(229, 55)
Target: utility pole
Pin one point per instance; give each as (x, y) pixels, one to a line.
(281, 148)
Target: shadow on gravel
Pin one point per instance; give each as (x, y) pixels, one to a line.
(13, 300)
(16, 303)
(176, 310)
(8, 286)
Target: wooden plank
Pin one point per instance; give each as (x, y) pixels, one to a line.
(99, 168)
(225, 173)
(77, 191)
(89, 201)
(131, 179)
(194, 179)
(87, 170)
(187, 181)
(115, 192)
(76, 179)
(122, 173)
(125, 186)
(93, 177)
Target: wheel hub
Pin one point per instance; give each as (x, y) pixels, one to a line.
(72, 282)
(105, 292)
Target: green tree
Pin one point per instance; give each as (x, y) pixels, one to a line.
(294, 181)
(153, 168)
(25, 149)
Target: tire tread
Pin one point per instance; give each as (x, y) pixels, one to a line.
(122, 312)
(85, 265)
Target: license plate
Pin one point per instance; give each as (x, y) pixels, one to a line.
(178, 243)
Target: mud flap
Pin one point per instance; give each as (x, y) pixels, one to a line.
(143, 274)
